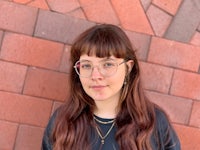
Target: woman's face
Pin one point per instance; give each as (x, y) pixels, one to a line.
(104, 83)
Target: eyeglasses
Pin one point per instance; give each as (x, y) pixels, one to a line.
(106, 68)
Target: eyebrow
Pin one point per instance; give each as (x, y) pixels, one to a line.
(108, 58)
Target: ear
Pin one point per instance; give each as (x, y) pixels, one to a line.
(130, 65)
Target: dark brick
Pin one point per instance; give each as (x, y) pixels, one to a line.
(185, 22)
(58, 27)
(141, 42)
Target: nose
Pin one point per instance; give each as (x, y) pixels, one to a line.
(96, 73)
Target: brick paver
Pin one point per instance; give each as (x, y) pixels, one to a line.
(185, 22)
(24, 109)
(8, 132)
(29, 138)
(35, 41)
(46, 84)
(44, 53)
(170, 6)
(159, 20)
(17, 18)
(58, 27)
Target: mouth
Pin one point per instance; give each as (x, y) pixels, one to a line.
(97, 87)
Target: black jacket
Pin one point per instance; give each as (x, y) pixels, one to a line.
(164, 137)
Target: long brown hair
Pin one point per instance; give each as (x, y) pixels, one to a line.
(136, 118)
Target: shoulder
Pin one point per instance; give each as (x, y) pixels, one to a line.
(165, 132)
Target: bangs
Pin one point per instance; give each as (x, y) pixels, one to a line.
(104, 45)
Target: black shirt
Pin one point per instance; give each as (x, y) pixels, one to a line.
(161, 141)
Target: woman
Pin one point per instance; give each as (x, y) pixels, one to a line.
(107, 108)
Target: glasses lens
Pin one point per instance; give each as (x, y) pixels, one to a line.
(108, 68)
(83, 68)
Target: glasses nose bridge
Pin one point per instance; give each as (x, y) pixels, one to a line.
(97, 67)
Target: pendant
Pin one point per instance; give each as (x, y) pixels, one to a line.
(102, 141)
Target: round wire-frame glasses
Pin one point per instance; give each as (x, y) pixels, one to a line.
(106, 68)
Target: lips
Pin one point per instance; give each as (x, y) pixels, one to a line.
(97, 87)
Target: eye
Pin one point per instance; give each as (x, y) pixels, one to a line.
(85, 66)
(108, 64)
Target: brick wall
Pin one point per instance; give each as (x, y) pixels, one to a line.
(35, 40)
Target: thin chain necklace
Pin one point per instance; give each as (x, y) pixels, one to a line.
(104, 122)
(103, 137)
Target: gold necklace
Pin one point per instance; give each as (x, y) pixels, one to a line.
(103, 137)
(102, 122)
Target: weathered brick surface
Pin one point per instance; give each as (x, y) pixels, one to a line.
(195, 119)
(47, 84)
(12, 76)
(196, 39)
(174, 54)
(159, 20)
(63, 6)
(17, 18)
(145, 4)
(152, 73)
(177, 108)
(31, 51)
(66, 63)
(24, 109)
(189, 137)
(186, 84)
(8, 132)
(1, 35)
(141, 42)
(171, 6)
(99, 11)
(35, 40)
(78, 13)
(132, 16)
(39, 4)
(185, 22)
(58, 27)
(29, 138)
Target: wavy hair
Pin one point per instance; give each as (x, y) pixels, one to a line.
(136, 118)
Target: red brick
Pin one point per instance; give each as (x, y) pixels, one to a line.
(196, 39)
(31, 51)
(29, 138)
(186, 84)
(195, 116)
(24, 109)
(156, 77)
(189, 137)
(141, 42)
(174, 54)
(47, 84)
(7, 135)
(78, 13)
(159, 20)
(171, 6)
(17, 18)
(12, 76)
(1, 35)
(66, 63)
(63, 6)
(177, 108)
(39, 4)
(132, 16)
(93, 11)
(21, 1)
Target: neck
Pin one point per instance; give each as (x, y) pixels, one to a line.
(104, 109)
